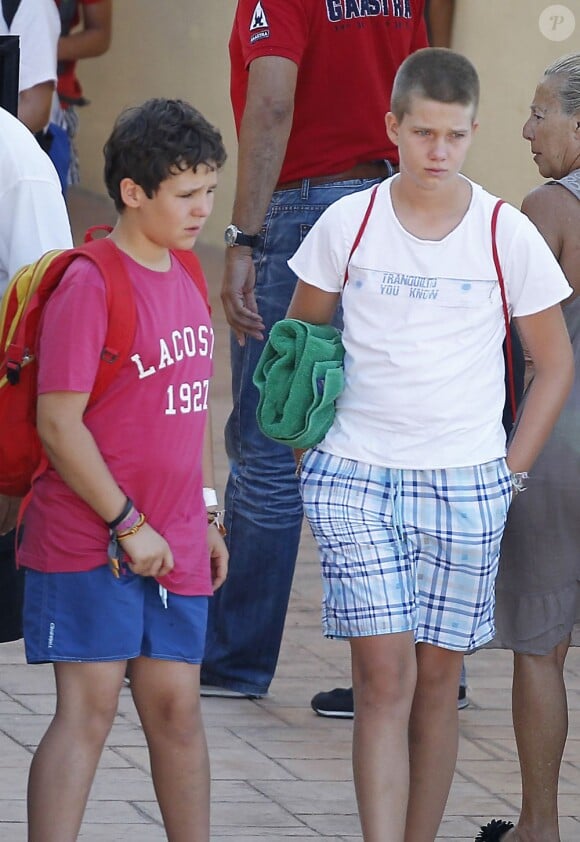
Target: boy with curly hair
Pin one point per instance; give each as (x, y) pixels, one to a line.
(127, 472)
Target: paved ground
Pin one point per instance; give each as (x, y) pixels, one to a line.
(279, 772)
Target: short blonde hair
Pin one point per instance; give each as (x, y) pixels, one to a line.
(438, 74)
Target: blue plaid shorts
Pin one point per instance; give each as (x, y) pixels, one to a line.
(407, 550)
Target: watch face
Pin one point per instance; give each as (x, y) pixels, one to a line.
(230, 235)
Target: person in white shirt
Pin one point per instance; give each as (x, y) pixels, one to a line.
(33, 215)
(37, 23)
(33, 220)
(408, 493)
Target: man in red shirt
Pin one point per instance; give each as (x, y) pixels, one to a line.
(92, 39)
(310, 85)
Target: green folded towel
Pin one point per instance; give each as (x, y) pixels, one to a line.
(299, 377)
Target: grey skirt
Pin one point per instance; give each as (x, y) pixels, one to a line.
(538, 584)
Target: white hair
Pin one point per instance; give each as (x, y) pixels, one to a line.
(567, 68)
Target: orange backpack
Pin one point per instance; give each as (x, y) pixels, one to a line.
(21, 453)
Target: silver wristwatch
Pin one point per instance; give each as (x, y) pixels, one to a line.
(518, 481)
(234, 236)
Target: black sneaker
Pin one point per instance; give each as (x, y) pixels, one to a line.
(337, 703)
(462, 700)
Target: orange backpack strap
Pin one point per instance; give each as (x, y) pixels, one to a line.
(192, 266)
(21, 309)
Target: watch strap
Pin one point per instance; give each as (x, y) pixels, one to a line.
(251, 240)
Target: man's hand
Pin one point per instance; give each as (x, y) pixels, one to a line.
(218, 554)
(148, 552)
(238, 299)
(263, 136)
(9, 507)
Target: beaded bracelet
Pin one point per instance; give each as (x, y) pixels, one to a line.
(128, 522)
(134, 529)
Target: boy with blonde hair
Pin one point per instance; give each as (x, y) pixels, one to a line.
(408, 493)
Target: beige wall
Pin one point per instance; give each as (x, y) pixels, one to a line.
(174, 48)
(503, 39)
(179, 48)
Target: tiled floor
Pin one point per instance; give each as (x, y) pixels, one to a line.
(279, 772)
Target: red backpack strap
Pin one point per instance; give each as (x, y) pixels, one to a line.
(122, 316)
(360, 232)
(104, 230)
(122, 320)
(121, 311)
(192, 266)
(506, 313)
(119, 297)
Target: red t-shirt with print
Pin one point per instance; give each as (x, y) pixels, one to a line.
(347, 52)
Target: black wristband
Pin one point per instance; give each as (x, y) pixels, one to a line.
(126, 509)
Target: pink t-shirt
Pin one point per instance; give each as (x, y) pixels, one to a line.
(149, 425)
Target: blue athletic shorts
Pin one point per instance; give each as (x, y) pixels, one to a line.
(92, 616)
(407, 550)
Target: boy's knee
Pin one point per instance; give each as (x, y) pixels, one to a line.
(390, 686)
(178, 720)
(438, 670)
(93, 720)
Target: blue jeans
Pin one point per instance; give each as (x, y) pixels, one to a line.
(263, 506)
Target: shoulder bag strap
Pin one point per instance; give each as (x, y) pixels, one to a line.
(506, 314)
(361, 230)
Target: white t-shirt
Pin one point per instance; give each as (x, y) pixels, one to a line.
(37, 22)
(33, 216)
(424, 327)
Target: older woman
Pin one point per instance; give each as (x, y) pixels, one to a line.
(538, 587)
